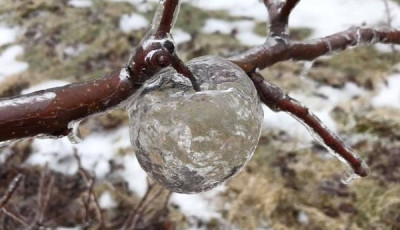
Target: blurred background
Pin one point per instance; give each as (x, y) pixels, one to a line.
(291, 182)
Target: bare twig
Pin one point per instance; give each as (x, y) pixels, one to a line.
(44, 195)
(12, 187)
(181, 68)
(131, 218)
(90, 181)
(17, 217)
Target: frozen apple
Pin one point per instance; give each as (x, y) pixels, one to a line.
(192, 141)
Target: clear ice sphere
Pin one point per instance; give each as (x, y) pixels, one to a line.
(193, 141)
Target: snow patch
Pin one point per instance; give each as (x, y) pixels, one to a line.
(80, 3)
(132, 22)
(106, 201)
(389, 94)
(134, 175)
(180, 36)
(95, 151)
(245, 33)
(9, 63)
(199, 206)
(8, 35)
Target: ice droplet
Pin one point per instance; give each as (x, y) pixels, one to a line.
(74, 135)
(192, 141)
(306, 68)
(349, 177)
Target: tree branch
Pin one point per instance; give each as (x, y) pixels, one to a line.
(279, 13)
(50, 112)
(277, 50)
(277, 100)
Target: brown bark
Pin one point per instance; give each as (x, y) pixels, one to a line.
(49, 112)
(278, 50)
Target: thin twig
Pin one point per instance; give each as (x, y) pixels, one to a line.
(17, 217)
(12, 187)
(129, 221)
(90, 181)
(181, 68)
(140, 212)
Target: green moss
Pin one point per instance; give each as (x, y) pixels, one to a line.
(53, 26)
(296, 33)
(360, 60)
(300, 33)
(192, 19)
(260, 28)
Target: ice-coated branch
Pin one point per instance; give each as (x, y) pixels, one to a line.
(181, 68)
(168, 12)
(279, 12)
(277, 50)
(277, 100)
(53, 112)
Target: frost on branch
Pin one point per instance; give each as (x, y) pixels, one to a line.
(193, 141)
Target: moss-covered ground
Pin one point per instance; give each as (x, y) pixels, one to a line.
(283, 186)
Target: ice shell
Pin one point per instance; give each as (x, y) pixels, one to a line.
(193, 141)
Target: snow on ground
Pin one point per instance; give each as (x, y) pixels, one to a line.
(132, 22)
(389, 94)
(8, 58)
(97, 150)
(9, 63)
(201, 206)
(180, 36)
(324, 17)
(106, 201)
(245, 29)
(80, 3)
(134, 175)
(8, 35)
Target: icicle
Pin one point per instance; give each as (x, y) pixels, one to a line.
(349, 177)
(306, 68)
